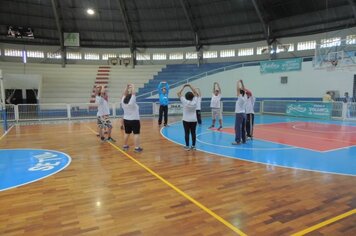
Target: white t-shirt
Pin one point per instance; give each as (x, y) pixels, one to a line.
(131, 109)
(250, 103)
(103, 106)
(240, 106)
(198, 103)
(215, 101)
(189, 109)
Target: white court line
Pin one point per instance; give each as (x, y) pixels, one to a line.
(316, 131)
(258, 162)
(7, 131)
(292, 147)
(241, 146)
(15, 186)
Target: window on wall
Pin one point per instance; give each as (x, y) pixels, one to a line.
(176, 56)
(159, 56)
(289, 47)
(91, 56)
(351, 39)
(245, 52)
(331, 42)
(307, 45)
(143, 56)
(74, 55)
(54, 55)
(210, 54)
(191, 55)
(125, 55)
(227, 53)
(106, 56)
(35, 54)
(13, 53)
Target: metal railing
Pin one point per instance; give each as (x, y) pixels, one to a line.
(42, 112)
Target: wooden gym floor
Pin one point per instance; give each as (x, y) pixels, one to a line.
(167, 191)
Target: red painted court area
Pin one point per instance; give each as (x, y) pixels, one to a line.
(308, 135)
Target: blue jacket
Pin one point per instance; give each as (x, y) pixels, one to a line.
(163, 98)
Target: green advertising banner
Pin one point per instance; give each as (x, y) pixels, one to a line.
(312, 110)
(276, 66)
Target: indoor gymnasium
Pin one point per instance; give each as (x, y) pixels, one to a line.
(178, 117)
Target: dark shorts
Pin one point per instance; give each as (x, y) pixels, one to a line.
(132, 126)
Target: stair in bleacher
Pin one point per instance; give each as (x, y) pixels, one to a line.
(102, 79)
(176, 73)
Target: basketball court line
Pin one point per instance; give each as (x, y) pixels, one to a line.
(195, 202)
(326, 132)
(241, 146)
(325, 223)
(280, 130)
(64, 154)
(247, 160)
(7, 131)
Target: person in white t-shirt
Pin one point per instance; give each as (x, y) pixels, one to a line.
(103, 121)
(215, 105)
(250, 113)
(131, 118)
(189, 102)
(240, 114)
(198, 109)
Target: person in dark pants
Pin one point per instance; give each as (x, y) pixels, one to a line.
(198, 109)
(189, 102)
(163, 90)
(240, 114)
(250, 113)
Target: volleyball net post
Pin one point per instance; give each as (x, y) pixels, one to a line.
(3, 103)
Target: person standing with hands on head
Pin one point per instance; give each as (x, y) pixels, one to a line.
(198, 109)
(101, 98)
(215, 105)
(240, 114)
(250, 113)
(189, 102)
(163, 90)
(131, 118)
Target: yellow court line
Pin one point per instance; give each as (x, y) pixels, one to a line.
(324, 223)
(201, 206)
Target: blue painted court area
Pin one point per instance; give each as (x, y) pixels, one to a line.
(280, 151)
(22, 166)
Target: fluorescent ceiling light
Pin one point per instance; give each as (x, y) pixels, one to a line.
(90, 11)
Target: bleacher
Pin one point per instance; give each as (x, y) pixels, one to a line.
(120, 76)
(178, 72)
(71, 84)
(74, 83)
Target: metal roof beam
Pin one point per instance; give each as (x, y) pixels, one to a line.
(188, 14)
(127, 25)
(264, 25)
(353, 7)
(60, 31)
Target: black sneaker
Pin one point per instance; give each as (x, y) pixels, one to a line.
(110, 139)
(138, 149)
(125, 147)
(220, 127)
(211, 126)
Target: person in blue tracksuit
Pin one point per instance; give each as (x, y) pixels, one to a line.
(163, 90)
